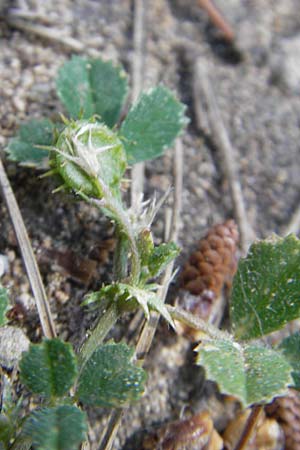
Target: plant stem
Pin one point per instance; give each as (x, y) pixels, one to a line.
(120, 257)
(197, 323)
(109, 202)
(249, 427)
(104, 325)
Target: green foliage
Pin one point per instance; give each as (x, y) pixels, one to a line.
(161, 256)
(91, 159)
(290, 347)
(4, 305)
(96, 88)
(109, 378)
(49, 369)
(92, 86)
(252, 373)
(265, 293)
(129, 297)
(86, 152)
(152, 125)
(59, 428)
(154, 259)
(6, 430)
(23, 148)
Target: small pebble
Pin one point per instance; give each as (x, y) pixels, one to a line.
(4, 264)
(13, 342)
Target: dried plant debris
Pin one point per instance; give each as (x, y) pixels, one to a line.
(194, 433)
(268, 434)
(209, 270)
(287, 412)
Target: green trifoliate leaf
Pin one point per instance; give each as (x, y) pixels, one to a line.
(110, 378)
(23, 148)
(266, 288)
(86, 152)
(152, 125)
(290, 348)
(49, 369)
(59, 428)
(92, 86)
(4, 305)
(252, 373)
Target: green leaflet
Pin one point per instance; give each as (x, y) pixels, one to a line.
(4, 305)
(109, 378)
(252, 373)
(266, 287)
(92, 86)
(152, 125)
(49, 369)
(161, 256)
(59, 428)
(290, 348)
(23, 148)
(6, 431)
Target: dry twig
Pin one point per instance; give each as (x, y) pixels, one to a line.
(217, 19)
(249, 427)
(138, 170)
(28, 256)
(26, 14)
(294, 225)
(203, 91)
(52, 34)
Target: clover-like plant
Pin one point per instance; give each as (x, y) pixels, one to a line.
(265, 297)
(88, 154)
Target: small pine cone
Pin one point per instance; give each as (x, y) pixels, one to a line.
(210, 268)
(214, 262)
(287, 412)
(194, 433)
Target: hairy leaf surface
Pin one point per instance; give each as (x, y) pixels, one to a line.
(266, 288)
(290, 347)
(23, 148)
(92, 86)
(109, 378)
(49, 368)
(252, 373)
(59, 428)
(152, 125)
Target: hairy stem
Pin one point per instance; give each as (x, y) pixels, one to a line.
(120, 257)
(196, 322)
(109, 202)
(104, 325)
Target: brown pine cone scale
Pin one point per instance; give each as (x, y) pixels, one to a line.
(287, 412)
(209, 269)
(214, 262)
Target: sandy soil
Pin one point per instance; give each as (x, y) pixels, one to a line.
(257, 86)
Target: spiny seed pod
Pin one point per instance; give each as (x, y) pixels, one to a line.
(194, 433)
(85, 152)
(210, 268)
(287, 412)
